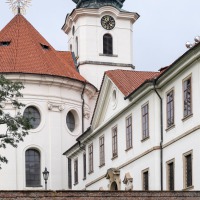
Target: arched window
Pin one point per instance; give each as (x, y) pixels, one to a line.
(33, 168)
(77, 46)
(107, 44)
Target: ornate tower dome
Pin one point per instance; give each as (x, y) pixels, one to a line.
(98, 3)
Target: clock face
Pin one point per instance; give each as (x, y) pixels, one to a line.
(108, 22)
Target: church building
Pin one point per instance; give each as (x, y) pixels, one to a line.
(100, 124)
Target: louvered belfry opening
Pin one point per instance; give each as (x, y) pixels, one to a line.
(107, 44)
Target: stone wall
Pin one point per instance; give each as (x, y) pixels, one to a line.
(97, 195)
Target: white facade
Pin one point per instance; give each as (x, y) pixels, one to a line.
(85, 33)
(179, 140)
(54, 97)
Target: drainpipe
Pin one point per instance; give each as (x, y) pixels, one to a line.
(83, 103)
(161, 136)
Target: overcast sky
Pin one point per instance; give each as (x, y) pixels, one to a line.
(159, 36)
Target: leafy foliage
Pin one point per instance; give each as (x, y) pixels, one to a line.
(13, 128)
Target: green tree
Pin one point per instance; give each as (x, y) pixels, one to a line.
(12, 128)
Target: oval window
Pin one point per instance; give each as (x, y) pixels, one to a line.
(70, 120)
(33, 115)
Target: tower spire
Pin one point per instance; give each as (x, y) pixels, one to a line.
(19, 6)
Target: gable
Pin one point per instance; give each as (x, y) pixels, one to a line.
(110, 102)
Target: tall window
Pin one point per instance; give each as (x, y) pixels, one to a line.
(187, 97)
(188, 170)
(75, 171)
(90, 151)
(33, 168)
(146, 180)
(84, 166)
(145, 121)
(102, 152)
(170, 175)
(129, 132)
(69, 173)
(77, 46)
(107, 44)
(114, 142)
(170, 109)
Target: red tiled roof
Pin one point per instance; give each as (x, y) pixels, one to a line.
(25, 53)
(128, 81)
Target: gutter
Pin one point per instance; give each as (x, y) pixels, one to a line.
(161, 135)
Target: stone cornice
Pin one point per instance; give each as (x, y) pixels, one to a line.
(106, 64)
(76, 13)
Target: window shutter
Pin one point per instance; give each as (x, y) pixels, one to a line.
(69, 173)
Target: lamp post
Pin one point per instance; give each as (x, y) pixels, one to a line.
(45, 176)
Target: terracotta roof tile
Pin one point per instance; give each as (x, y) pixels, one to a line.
(29, 52)
(128, 81)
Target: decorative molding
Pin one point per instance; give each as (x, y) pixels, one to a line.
(55, 107)
(105, 64)
(113, 174)
(128, 181)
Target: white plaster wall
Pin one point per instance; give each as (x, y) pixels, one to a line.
(175, 151)
(182, 126)
(90, 33)
(148, 160)
(52, 137)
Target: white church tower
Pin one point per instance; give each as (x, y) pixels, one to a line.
(100, 35)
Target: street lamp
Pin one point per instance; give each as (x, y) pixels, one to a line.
(45, 176)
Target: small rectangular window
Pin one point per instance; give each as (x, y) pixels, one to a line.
(69, 173)
(187, 95)
(170, 109)
(84, 165)
(170, 175)
(76, 171)
(102, 152)
(129, 132)
(114, 142)
(146, 180)
(5, 43)
(188, 170)
(90, 151)
(145, 121)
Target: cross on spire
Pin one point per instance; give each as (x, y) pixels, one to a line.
(19, 6)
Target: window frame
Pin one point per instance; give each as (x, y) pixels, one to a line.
(75, 171)
(145, 171)
(106, 44)
(77, 47)
(69, 173)
(172, 110)
(84, 166)
(129, 140)
(185, 172)
(185, 116)
(91, 158)
(28, 115)
(101, 151)
(168, 173)
(39, 173)
(145, 136)
(114, 142)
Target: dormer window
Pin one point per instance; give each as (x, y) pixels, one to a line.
(45, 47)
(4, 43)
